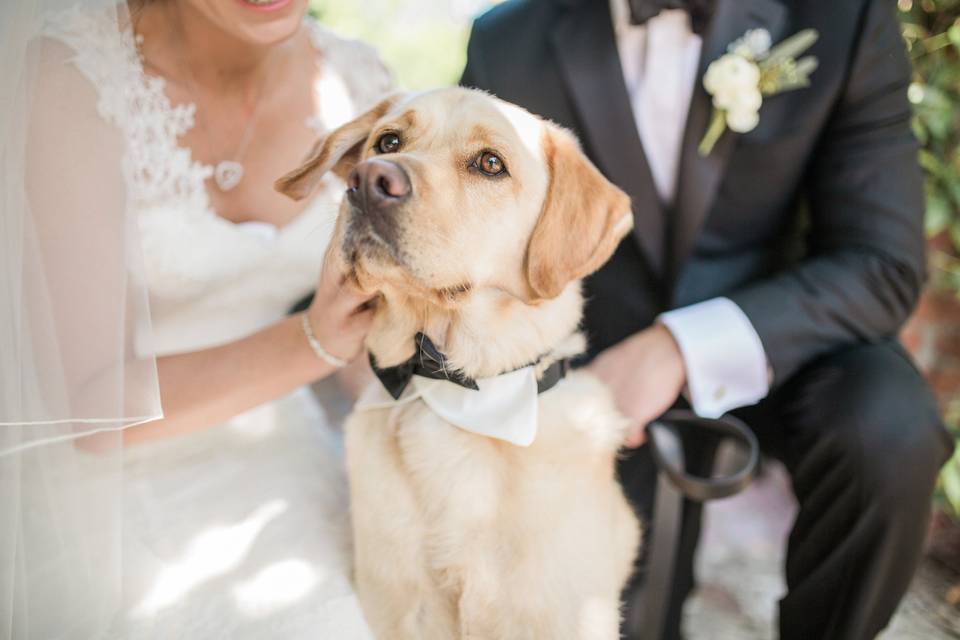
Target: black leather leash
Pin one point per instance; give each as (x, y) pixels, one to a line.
(674, 483)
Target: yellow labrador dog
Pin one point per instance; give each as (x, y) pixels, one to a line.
(474, 221)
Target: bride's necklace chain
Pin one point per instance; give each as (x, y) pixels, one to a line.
(227, 173)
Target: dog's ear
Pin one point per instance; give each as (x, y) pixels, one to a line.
(584, 217)
(339, 152)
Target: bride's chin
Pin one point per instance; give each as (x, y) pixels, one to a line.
(262, 23)
(272, 33)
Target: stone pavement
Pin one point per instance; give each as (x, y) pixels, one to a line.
(740, 581)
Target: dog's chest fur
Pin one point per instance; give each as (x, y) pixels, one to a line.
(461, 536)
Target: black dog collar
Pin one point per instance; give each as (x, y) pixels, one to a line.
(428, 362)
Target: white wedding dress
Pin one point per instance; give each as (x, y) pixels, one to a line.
(241, 530)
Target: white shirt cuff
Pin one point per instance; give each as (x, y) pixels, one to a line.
(725, 361)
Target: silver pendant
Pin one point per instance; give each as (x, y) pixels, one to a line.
(228, 174)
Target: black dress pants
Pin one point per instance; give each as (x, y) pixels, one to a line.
(860, 434)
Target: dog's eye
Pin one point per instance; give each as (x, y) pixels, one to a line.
(490, 164)
(388, 143)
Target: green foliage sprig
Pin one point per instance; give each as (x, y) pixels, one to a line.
(931, 29)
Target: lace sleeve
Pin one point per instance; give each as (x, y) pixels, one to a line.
(155, 167)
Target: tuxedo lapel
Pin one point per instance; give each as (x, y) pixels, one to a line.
(699, 177)
(585, 47)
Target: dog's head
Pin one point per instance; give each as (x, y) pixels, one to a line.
(455, 196)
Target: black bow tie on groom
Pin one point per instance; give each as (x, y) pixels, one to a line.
(428, 362)
(700, 11)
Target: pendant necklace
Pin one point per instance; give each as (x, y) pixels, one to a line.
(228, 173)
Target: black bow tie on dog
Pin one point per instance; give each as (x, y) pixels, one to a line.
(427, 361)
(700, 11)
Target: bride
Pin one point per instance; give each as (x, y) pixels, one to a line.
(146, 250)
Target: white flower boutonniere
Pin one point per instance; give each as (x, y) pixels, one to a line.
(750, 70)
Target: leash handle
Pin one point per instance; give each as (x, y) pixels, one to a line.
(647, 617)
(667, 450)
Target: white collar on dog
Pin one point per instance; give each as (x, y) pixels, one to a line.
(505, 407)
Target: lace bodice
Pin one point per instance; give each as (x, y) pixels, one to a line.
(211, 280)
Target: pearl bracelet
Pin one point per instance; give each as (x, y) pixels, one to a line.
(318, 349)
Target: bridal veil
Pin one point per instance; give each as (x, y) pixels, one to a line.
(76, 366)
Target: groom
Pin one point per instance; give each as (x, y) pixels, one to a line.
(768, 278)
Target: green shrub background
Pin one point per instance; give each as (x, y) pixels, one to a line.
(424, 42)
(931, 29)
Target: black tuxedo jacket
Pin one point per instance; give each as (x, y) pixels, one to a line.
(811, 223)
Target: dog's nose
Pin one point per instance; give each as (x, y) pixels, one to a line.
(378, 183)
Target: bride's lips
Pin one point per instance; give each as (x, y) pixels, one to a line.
(265, 5)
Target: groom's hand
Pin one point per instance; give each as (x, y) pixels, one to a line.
(646, 374)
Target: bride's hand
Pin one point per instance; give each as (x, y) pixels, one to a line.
(340, 315)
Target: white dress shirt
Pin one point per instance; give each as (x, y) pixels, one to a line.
(724, 358)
